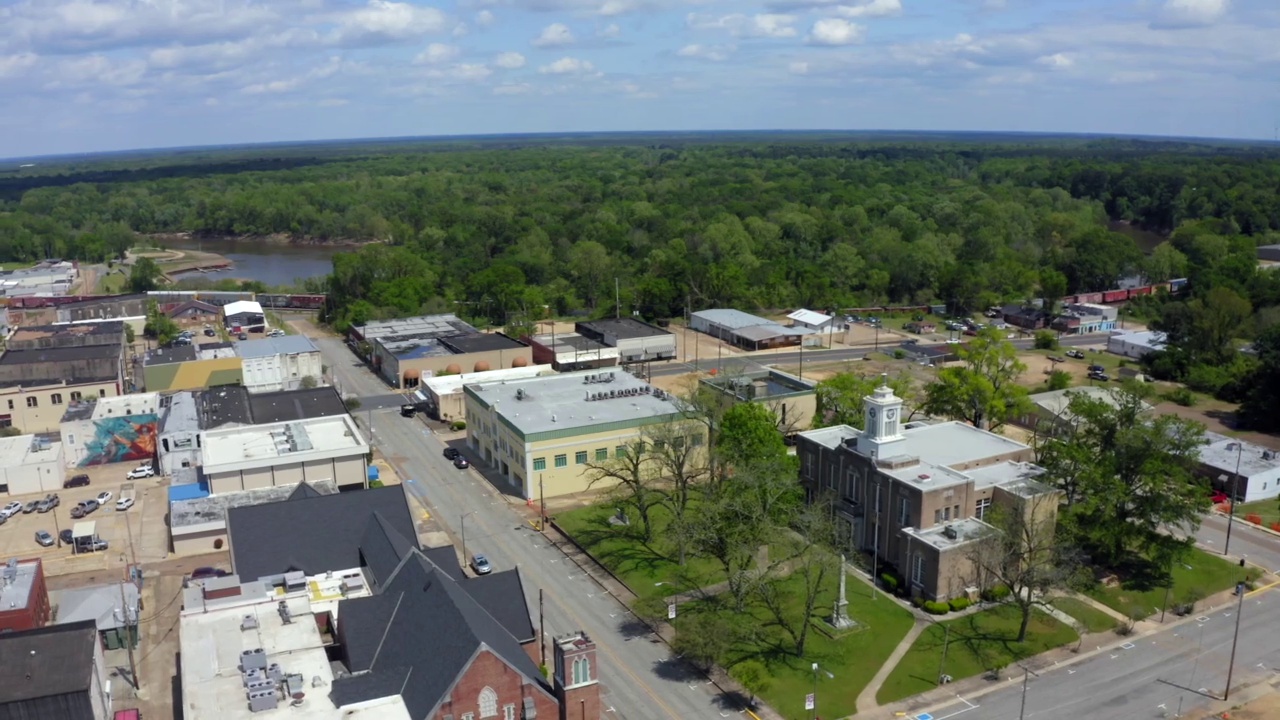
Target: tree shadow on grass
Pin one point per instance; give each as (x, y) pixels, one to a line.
(620, 549)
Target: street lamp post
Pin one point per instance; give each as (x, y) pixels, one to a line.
(1026, 674)
(464, 534)
(813, 712)
(1235, 488)
(1231, 664)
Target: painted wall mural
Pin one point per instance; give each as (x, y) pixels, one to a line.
(121, 439)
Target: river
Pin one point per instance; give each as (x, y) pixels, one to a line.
(1144, 239)
(273, 263)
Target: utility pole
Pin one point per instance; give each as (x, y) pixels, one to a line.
(1026, 674)
(542, 502)
(1231, 664)
(542, 630)
(617, 300)
(946, 642)
(131, 632)
(463, 523)
(1235, 488)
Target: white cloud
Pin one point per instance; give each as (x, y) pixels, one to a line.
(436, 54)
(484, 18)
(1056, 60)
(460, 30)
(382, 21)
(554, 35)
(871, 9)
(714, 53)
(16, 64)
(1192, 13)
(509, 60)
(798, 68)
(567, 66)
(835, 31)
(467, 72)
(334, 102)
(617, 7)
(762, 25)
(609, 31)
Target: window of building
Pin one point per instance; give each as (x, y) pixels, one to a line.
(620, 451)
(602, 454)
(677, 443)
(32, 401)
(980, 511)
(102, 392)
(955, 511)
(56, 398)
(937, 516)
(581, 671)
(488, 703)
(468, 716)
(75, 396)
(540, 463)
(7, 421)
(10, 404)
(580, 457)
(562, 460)
(917, 569)
(946, 514)
(695, 439)
(508, 712)
(904, 511)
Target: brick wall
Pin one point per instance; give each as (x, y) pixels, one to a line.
(487, 670)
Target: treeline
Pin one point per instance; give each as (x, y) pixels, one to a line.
(512, 233)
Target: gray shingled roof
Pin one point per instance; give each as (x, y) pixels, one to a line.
(53, 660)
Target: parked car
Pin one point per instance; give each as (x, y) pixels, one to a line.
(48, 503)
(142, 471)
(201, 573)
(210, 332)
(1097, 369)
(1102, 377)
(408, 410)
(243, 336)
(11, 509)
(65, 536)
(76, 481)
(124, 503)
(451, 453)
(84, 507)
(44, 539)
(480, 564)
(276, 333)
(104, 497)
(30, 507)
(1217, 497)
(461, 463)
(1075, 354)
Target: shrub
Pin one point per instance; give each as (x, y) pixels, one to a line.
(936, 608)
(899, 354)
(889, 582)
(996, 593)
(917, 601)
(1046, 340)
(375, 484)
(1254, 518)
(960, 603)
(1059, 380)
(458, 425)
(1181, 396)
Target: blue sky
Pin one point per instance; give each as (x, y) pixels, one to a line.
(88, 75)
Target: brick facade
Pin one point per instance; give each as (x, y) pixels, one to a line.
(576, 680)
(511, 688)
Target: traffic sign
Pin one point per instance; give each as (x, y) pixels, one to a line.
(810, 702)
(671, 611)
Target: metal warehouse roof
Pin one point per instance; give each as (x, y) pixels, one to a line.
(809, 317)
(731, 319)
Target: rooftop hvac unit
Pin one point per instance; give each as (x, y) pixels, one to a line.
(519, 393)
(286, 617)
(950, 532)
(263, 700)
(253, 677)
(275, 672)
(249, 622)
(265, 683)
(255, 659)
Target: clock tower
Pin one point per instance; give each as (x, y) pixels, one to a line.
(882, 422)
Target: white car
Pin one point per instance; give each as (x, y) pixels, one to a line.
(11, 509)
(104, 497)
(124, 503)
(142, 471)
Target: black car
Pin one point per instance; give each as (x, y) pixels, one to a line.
(1099, 376)
(451, 453)
(76, 481)
(243, 336)
(408, 410)
(65, 536)
(461, 463)
(202, 573)
(1097, 369)
(210, 332)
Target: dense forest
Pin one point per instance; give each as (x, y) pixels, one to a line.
(506, 230)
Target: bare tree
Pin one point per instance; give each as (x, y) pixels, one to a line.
(809, 556)
(1021, 552)
(681, 461)
(633, 475)
(705, 406)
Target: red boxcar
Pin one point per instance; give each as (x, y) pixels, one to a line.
(1111, 296)
(1145, 290)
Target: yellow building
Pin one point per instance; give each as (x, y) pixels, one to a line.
(39, 406)
(547, 430)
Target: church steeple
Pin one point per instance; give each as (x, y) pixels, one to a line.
(882, 420)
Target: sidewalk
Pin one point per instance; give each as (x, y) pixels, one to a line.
(867, 698)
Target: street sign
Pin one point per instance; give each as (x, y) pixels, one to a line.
(810, 702)
(671, 611)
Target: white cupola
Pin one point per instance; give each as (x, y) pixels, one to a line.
(882, 421)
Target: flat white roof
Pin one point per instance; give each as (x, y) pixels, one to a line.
(1142, 338)
(451, 384)
(1221, 452)
(573, 401)
(809, 317)
(256, 446)
(241, 306)
(212, 640)
(952, 443)
(25, 449)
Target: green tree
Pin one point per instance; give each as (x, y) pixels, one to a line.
(754, 677)
(1059, 380)
(984, 390)
(749, 435)
(1259, 408)
(703, 638)
(159, 325)
(145, 275)
(128, 334)
(1127, 476)
(839, 397)
(1164, 263)
(1053, 286)
(307, 382)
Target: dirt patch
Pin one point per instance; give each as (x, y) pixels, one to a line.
(1218, 417)
(1264, 708)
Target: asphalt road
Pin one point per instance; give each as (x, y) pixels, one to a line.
(1254, 545)
(1182, 668)
(639, 678)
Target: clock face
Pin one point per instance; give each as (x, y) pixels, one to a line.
(872, 413)
(890, 414)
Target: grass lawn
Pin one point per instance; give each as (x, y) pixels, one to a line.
(853, 658)
(1093, 619)
(641, 566)
(1196, 576)
(979, 642)
(112, 282)
(1268, 510)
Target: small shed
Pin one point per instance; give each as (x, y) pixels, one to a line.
(811, 319)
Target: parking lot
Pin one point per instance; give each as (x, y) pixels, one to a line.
(138, 532)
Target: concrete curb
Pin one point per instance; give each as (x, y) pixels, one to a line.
(1246, 523)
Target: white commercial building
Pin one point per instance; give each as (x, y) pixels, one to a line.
(443, 394)
(287, 453)
(30, 465)
(279, 363)
(1249, 472)
(253, 651)
(1136, 344)
(812, 319)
